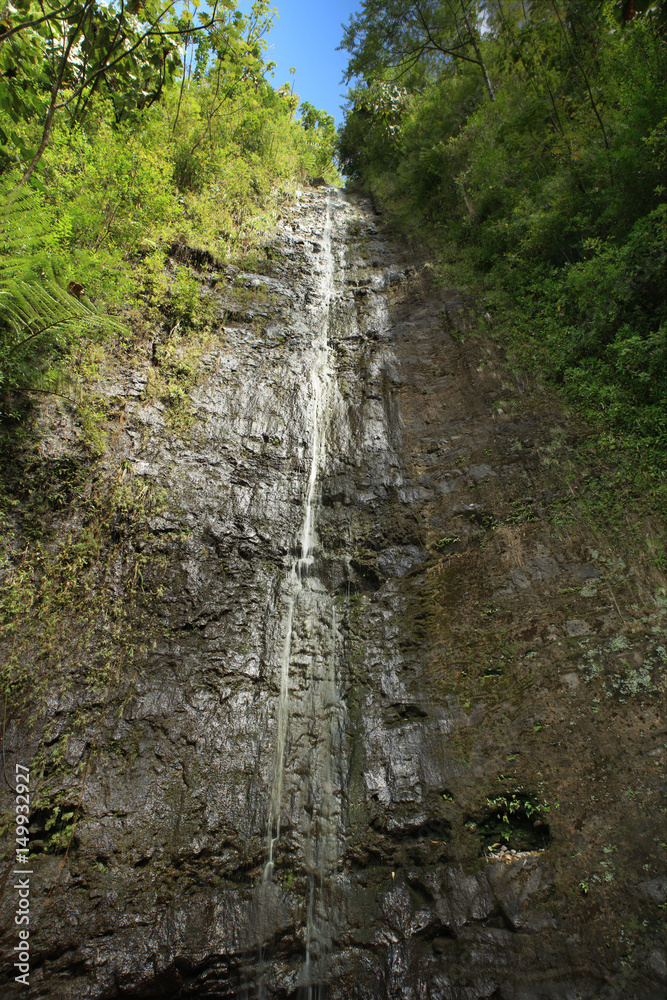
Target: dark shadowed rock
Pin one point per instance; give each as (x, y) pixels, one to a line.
(395, 701)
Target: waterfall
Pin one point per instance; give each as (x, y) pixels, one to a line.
(278, 803)
(311, 609)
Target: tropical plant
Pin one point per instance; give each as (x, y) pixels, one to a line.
(420, 35)
(551, 196)
(55, 58)
(40, 317)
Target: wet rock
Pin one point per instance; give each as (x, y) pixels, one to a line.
(585, 571)
(296, 768)
(657, 963)
(653, 890)
(400, 559)
(477, 472)
(576, 626)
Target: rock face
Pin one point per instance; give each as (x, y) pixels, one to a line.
(355, 760)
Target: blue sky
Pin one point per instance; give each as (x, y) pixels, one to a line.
(305, 36)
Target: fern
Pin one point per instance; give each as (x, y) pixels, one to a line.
(40, 320)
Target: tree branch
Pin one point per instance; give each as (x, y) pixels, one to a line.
(586, 81)
(54, 95)
(475, 45)
(52, 16)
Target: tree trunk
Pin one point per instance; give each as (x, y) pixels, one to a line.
(475, 45)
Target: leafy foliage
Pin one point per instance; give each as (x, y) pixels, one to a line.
(109, 160)
(38, 315)
(552, 194)
(414, 38)
(321, 129)
(56, 58)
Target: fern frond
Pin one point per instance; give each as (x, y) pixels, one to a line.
(37, 314)
(32, 309)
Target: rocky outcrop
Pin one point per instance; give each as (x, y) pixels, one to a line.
(383, 740)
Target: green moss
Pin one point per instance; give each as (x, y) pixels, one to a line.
(77, 607)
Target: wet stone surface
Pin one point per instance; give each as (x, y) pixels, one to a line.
(388, 698)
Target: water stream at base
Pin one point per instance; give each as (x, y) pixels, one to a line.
(308, 604)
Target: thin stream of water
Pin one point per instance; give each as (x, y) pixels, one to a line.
(295, 580)
(304, 604)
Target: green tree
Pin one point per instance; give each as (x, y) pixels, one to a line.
(132, 162)
(55, 58)
(320, 128)
(552, 196)
(414, 35)
(368, 144)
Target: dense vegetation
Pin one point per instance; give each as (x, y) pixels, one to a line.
(529, 141)
(127, 129)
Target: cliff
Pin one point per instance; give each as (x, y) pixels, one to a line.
(324, 692)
